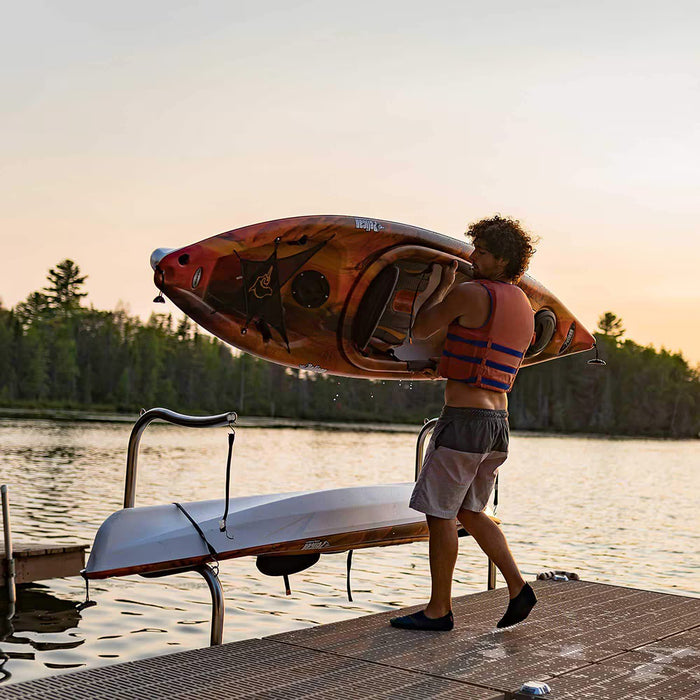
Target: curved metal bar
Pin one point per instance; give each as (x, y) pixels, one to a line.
(422, 436)
(217, 604)
(217, 421)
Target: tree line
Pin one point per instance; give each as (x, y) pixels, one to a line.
(56, 352)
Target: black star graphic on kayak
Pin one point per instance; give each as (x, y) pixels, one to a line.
(258, 298)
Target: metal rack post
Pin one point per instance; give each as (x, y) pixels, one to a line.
(9, 557)
(426, 430)
(217, 604)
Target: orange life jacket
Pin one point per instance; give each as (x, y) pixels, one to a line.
(490, 356)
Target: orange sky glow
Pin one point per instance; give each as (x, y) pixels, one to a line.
(130, 126)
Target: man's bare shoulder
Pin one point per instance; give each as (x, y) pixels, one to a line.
(474, 287)
(470, 301)
(471, 291)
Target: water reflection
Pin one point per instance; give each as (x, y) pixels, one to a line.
(37, 612)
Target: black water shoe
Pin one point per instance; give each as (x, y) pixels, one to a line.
(519, 607)
(420, 621)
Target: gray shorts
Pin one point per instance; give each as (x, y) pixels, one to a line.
(461, 462)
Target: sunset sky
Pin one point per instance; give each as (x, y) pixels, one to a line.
(133, 125)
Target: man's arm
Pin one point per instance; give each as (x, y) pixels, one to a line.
(430, 315)
(469, 301)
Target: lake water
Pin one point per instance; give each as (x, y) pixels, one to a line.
(614, 510)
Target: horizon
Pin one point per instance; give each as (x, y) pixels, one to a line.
(136, 127)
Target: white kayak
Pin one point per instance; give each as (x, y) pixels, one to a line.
(152, 539)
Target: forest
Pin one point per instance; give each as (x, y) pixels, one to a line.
(55, 352)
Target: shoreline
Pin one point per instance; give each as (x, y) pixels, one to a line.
(78, 416)
(81, 416)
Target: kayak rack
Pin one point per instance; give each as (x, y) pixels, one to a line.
(217, 421)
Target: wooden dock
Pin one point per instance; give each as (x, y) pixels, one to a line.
(586, 640)
(36, 562)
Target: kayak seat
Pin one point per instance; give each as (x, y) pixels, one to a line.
(395, 322)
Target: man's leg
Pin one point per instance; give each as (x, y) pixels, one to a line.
(437, 616)
(443, 556)
(493, 542)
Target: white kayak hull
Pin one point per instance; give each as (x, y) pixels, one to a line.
(154, 539)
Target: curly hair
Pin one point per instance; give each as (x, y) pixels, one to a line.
(505, 238)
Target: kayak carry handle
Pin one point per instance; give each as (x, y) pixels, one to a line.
(146, 417)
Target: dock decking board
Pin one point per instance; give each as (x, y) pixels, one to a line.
(586, 640)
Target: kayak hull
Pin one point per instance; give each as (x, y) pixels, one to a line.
(336, 294)
(152, 539)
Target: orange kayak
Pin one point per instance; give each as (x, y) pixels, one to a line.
(336, 294)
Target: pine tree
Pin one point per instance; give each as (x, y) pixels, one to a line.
(34, 309)
(8, 337)
(611, 326)
(64, 364)
(33, 370)
(63, 292)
